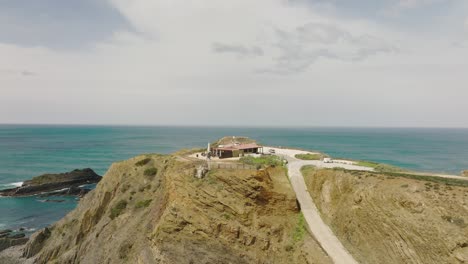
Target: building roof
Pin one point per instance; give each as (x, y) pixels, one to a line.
(238, 147)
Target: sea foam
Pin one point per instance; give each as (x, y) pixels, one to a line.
(11, 185)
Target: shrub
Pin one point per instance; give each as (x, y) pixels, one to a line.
(268, 160)
(118, 209)
(300, 230)
(143, 162)
(150, 172)
(309, 156)
(143, 204)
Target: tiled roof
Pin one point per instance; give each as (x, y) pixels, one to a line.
(239, 147)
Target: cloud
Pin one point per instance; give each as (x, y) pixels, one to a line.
(398, 7)
(409, 4)
(176, 66)
(16, 72)
(308, 43)
(239, 50)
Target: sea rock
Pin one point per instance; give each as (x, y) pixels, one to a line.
(5, 231)
(62, 184)
(465, 173)
(9, 240)
(16, 236)
(54, 201)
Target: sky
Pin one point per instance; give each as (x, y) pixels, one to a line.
(390, 63)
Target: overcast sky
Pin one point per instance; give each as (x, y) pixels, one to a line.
(236, 62)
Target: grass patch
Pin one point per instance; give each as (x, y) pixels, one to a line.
(434, 179)
(143, 162)
(369, 164)
(226, 216)
(267, 160)
(143, 204)
(300, 230)
(309, 156)
(379, 166)
(118, 209)
(150, 172)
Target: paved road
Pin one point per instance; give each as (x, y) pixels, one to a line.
(319, 229)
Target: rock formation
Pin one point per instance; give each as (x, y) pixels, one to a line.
(55, 184)
(8, 239)
(229, 216)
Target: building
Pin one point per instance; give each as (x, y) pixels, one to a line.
(235, 150)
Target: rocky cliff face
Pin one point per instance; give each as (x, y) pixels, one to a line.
(151, 209)
(385, 219)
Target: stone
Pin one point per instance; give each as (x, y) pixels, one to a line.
(5, 231)
(16, 236)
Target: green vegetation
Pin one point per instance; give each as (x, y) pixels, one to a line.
(300, 230)
(118, 209)
(143, 162)
(428, 179)
(143, 204)
(227, 216)
(369, 164)
(267, 160)
(379, 166)
(435, 179)
(150, 172)
(309, 156)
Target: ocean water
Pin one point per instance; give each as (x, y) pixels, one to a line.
(27, 151)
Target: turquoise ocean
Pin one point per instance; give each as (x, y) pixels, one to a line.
(27, 151)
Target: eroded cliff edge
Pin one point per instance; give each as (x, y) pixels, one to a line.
(383, 218)
(150, 209)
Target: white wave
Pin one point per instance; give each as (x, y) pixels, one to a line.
(10, 185)
(17, 184)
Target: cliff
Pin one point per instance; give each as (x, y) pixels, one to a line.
(382, 218)
(151, 209)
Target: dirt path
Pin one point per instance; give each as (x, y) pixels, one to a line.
(318, 228)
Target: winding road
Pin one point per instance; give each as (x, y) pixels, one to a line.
(325, 237)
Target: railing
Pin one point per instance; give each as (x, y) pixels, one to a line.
(236, 166)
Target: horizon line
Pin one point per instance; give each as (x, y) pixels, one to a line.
(224, 126)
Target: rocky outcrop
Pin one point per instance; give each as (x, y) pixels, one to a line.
(10, 239)
(229, 216)
(465, 173)
(36, 242)
(55, 184)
